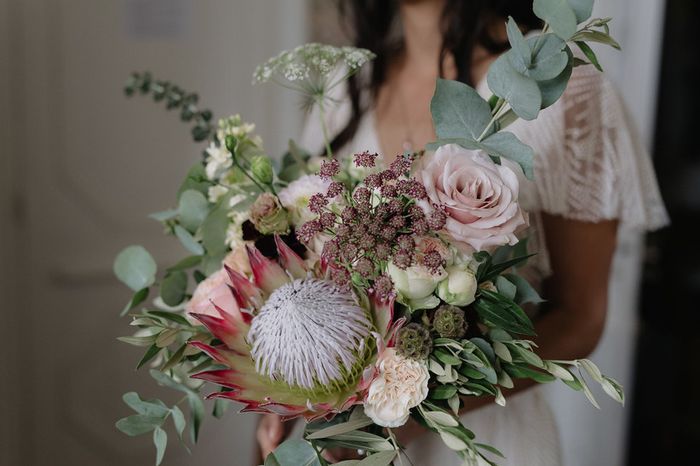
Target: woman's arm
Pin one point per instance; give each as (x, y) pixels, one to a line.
(577, 294)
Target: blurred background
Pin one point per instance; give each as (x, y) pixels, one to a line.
(81, 167)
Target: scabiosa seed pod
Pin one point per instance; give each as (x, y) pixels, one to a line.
(414, 342)
(449, 322)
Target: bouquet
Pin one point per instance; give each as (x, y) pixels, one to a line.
(349, 292)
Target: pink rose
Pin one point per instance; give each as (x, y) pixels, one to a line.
(479, 196)
(214, 289)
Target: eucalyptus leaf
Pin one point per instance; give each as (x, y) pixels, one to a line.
(188, 241)
(506, 144)
(139, 424)
(521, 56)
(506, 287)
(458, 110)
(192, 208)
(214, 229)
(164, 215)
(520, 91)
(558, 14)
(178, 420)
(173, 289)
(135, 267)
(160, 440)
(196, 179)
(154, 408)
(550, 59)
(554, 88)
(525, 292)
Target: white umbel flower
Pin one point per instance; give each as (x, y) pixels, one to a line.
(310, 334)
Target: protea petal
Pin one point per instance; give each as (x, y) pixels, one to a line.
(227, 328)
(246, 294)
(267, 274)
(382, 314)
(290, 260)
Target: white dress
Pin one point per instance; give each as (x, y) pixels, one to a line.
(589, 166)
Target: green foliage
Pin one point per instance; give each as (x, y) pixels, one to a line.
(499, 311)
(175, 98)
(559, 15)
(193, 208)
(174, 288)
(294, 452)
(135, 267)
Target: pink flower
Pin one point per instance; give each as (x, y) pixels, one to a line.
(480, 197)
(215, 288)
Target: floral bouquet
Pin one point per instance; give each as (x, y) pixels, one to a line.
(348, 292)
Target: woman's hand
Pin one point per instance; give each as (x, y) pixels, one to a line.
(269, 434)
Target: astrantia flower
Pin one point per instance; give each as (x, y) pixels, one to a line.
(401, 384)
(293, 344)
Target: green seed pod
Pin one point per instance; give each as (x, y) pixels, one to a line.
(449, 322)
(414, 342)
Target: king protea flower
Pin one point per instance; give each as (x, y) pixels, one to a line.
(294, 344)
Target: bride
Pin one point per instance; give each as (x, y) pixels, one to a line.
(590, 180)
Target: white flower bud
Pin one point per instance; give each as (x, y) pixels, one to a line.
(459, 287)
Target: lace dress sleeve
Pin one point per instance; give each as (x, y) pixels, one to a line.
(593, 166)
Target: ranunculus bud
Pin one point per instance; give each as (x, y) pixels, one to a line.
(459, 287)
(449, 322)
(414, 342)
(268, 216)
(261, 167)
(230, 143)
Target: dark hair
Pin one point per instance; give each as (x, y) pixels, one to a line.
(465, 24)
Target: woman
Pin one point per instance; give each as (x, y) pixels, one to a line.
(589, 180)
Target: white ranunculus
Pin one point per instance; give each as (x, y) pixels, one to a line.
(415, 282)
(459, 287)
(400, 385)
(295, 197)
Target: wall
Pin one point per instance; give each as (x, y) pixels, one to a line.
(83, 166)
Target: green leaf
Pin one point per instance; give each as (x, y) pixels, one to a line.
(138, 341)
(382, 458)
(443, 392)
(550, 59)
(148, 355)
(447, 357)
(554, 88)
(214, 229)
(525, 292)
(196, 179)
(163, 215)
(596, 36)
(188, 241)
(138, 424)
(360, 439)
(175, 358)
(582, 9)
(173, 289)
(506, 287)
(295, 452)
(341, 428)
(590, 54)
(458, 110)
(504, 313)
(506, 144)
(178, 420)
(489, 448)
(186, 263)
(193, 400)
(520, 91)
(138, 297)
(524, 372)
(220, 408)
(193, 208)
(152, 408)
(135, 267)
(521, 56)
(160, 440)
(171, 316)
(558, 14)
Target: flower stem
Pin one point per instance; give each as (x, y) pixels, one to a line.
(326, 140)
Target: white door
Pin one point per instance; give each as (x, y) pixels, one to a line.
(81, 168)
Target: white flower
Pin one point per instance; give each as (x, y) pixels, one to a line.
(234, 233)
(215, 192)
(218, 161)
(295, 197)
(459, 287)
(401, 384)
(414, 282)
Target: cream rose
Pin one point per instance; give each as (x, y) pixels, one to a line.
(479, 196)
(295, 197)
(401, 384)
(459, 288)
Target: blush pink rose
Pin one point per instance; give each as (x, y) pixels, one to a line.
(214, 289)
(479, 196)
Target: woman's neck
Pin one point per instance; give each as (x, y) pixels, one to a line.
(422, 33)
